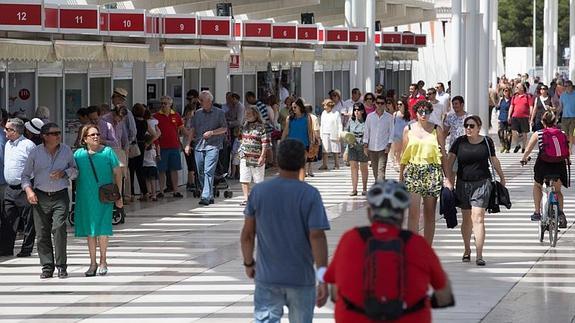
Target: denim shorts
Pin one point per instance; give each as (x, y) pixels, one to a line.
(170, 159)
(270, 300)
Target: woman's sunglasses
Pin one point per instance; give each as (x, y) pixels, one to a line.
(423, 112)
(469, 125)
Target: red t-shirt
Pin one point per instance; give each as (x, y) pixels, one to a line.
(411, 101)
(169, 125)
(346, 272)
(522, 104)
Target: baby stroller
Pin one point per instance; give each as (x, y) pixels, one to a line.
(118, 215)
(220, 180)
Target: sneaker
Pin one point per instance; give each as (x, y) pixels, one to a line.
(204, 202)
(535, 216)
(562, 220)
(516, 149)
(502, 150)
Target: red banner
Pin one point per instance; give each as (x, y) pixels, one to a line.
(257, 29)
(51, 17)
(408, 39)
(179, 25)
(358, 37)
(104, 21)
(126, 22)
(307, 33)
(20, 15)
(284, 32)
(215, 27)
(79, 18)
(336, 35)
(391, 38)
(420, 40)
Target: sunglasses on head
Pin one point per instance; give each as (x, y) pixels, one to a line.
(469, 125)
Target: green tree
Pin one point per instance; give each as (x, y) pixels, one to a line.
(516, 25)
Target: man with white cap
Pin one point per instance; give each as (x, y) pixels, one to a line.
(33, 130)
(129, 123)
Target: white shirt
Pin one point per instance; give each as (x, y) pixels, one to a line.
(378, 131)
(443, 98)
(348, 106)
(331, 124)
(15, 157)
(339, 107)
(437, 114)
(150, 157)
(284, 93)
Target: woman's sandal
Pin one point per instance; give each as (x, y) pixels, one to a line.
(480, 262)
(466, 258)
(353, 193)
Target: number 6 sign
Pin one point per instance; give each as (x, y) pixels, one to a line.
(284, 32)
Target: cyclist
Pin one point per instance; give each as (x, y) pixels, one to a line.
(388, 201)
(543, 168)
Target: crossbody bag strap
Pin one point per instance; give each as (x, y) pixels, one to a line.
(92, 165)
(489, 160)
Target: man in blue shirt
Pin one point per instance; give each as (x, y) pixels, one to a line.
(568, 107)
(291, 221)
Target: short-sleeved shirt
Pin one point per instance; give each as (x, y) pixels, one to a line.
(346, 271)
(568, 103)
(204, 121)
(455, 125)
(298, 129)
(504, 106)
(521, 105)
(169, 125)
(285, 211)
(411, 101)
(472, 159)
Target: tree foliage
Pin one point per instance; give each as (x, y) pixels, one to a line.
(516, 25)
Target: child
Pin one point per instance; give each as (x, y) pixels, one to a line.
(151, 153)
(235, 169)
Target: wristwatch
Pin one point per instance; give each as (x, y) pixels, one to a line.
(253, 263)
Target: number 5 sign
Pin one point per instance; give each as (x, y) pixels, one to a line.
(15, 15)
(216, 27)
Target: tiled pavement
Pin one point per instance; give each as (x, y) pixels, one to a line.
(174, 261)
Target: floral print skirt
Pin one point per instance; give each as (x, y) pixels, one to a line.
(425, 180)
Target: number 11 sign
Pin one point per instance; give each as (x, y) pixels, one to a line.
(80, 19)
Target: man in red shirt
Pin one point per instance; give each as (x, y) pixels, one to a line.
(171, 126)
(388, 201)
(414, 97)
(519, 113)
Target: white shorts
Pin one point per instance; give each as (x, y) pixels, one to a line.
(330, 145)
(250, 174)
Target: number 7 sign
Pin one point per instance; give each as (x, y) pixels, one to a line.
(257, 30)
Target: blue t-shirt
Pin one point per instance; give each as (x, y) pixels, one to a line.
(298, 130)
(285, 211)
(568, 103)
(504, 106)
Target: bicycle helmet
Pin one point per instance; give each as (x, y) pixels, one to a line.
(388, 199)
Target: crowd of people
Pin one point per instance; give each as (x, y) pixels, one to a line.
(427, 135)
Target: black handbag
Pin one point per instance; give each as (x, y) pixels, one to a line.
(108, 193)
(499, 193)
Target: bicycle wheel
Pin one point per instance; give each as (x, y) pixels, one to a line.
(553, 224)
(541, 233)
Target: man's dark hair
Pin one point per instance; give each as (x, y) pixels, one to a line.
(82, 112)
(46, 127)
(458, 98)
(355, 90)
(291, 155)
(3, 116)
(93, 108)
(192, 94)
(250, 94)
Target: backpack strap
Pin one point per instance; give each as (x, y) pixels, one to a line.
(364, 232)
(405, 235)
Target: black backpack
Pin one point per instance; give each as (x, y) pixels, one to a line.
(384, 266)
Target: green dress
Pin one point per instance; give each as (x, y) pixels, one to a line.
(93, 218)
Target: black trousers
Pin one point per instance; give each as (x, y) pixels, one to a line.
(135, 165)
(17, 212)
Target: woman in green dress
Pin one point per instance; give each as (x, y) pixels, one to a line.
(93, 219)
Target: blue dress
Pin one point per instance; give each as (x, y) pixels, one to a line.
(93, 218)
(298, 130)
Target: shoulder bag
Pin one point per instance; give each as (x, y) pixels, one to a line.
(499, 193)
(314, 146)
(108, 193)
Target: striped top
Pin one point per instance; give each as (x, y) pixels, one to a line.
(265, 116)
(254, 140)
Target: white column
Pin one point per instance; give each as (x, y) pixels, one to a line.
(549, 40)
(139, 82)
(472, 90)
(369, 49)
(348, 9)
(554, 41)
(358, 20)
(493, 41)
(308, 82)
(222, 81)
(572, 39)
(456, 58)
(483, 63)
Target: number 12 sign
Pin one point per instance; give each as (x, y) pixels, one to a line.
(16, 15)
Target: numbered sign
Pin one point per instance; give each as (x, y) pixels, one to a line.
(391, 39)
(408, 39)
(79, 19)
(181, 26)
(15, 15)
(216, 27)
(51, 22)
(284, 32)
(257, 30)
(377, 38)
(336, 35)
(126, 22)
(359, 37)
(307, 33)
(420, 40)
(235, 61)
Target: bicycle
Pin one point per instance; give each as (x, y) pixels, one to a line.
(550, 209)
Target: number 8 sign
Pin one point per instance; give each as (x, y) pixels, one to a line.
(216, 27)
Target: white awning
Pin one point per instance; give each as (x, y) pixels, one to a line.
(215, 54)
(304, 55)
(79, 51)
(255, 54)
(119, 52)
(329, 54)
(26, 50)
(397, 55)
(181, 53)
(347, 55)
(281, 55)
